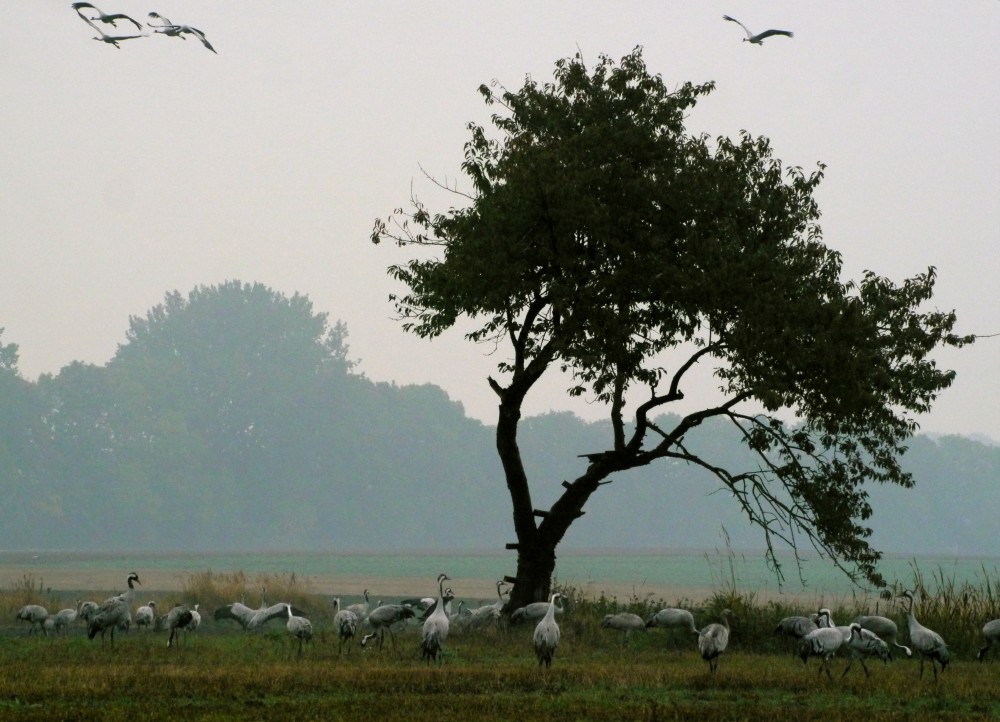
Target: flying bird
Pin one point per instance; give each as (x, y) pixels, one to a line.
(177, 31)
(759, 37)
(103, 17)
(115, 39)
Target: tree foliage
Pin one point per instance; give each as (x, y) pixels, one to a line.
(604, 240)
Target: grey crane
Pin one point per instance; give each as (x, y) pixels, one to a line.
(179, 617)
(145, 616)
(299, 627)
(673, 618)
(713, 639)
(65, 617)
(86, 611)
(346, 623)
(796, 627)
(546, 636)
(361, 608)
(113, 611)
(823, 642)
(487, 613)
(758, 38)
(885, 628)
(535, 611)
(865, 643)
(165, 27)
(991, 635)
(436, 625)
(382, 618)
(115, 39)
(927, 642)
(35, 615)
(251, 620)
(625, 622)
(103, 17)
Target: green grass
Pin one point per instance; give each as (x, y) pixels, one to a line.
(224, 674)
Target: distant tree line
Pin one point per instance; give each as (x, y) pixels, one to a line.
(233, 418)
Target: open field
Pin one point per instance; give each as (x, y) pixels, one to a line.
(486, 676)
(224, 673)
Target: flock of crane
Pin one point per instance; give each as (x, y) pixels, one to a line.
(817, 634)
(163, 26)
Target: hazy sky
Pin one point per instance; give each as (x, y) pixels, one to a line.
(128, 173)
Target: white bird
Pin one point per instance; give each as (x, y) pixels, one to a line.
(822, 642)
(928, 643)
(546, 636)
(991, 635)
(346, 623)
(195, 622)
(673, 618)
(713, 640)
(885, 628)
(625, 622)
(759, 37)
(436, 625)
(864, 643)
(35, 615)
(299, 627)
(177, 618)
(103, 16)
(177, 31)
(113, 611)
(145, 616)
(115, 39)
(382, 618)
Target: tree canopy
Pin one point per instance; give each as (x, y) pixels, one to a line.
(602, 239)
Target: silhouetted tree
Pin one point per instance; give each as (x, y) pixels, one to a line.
(604, 241)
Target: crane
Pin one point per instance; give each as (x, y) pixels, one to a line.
(927, 642)
(546, 636)
(113, 611)
(713, 640)
(757, 39)
(435, 630)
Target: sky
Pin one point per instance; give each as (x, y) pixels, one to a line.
(160, 166)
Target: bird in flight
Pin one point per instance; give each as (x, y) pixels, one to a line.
(114, 39)
(104, 18)
(759, 37)
(169, 29)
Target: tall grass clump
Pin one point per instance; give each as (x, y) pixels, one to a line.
(27, 590)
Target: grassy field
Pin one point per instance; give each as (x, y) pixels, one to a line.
(222, 673)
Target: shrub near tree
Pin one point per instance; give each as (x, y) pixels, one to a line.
(602, 240)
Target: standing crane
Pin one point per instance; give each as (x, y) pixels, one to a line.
(346, 623)
(927, 642)
(35, 615)
(673, 618)
(822, 642)
(113, 611)
(713, 640)
(991, 635)
(435, 630)
(625, 622)
(145, 616)
(885, 628)
(546, 636)
(299, 627)
(382, 618)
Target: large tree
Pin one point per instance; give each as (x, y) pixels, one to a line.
(602, 240)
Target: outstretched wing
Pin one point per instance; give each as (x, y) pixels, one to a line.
(80, 6)
(734, 20)
(201, 36)
(122, 16)
(769, 33)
